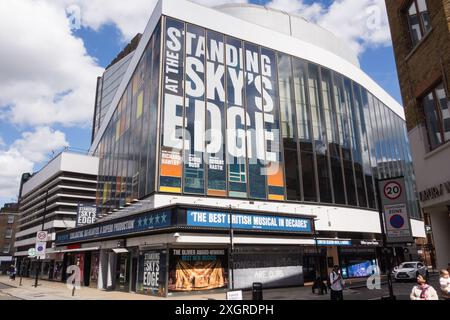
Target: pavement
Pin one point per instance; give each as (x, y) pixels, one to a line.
(47, 290)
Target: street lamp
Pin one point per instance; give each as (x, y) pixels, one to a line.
(318, 264)
(230, 215)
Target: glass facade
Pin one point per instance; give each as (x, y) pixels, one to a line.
(242, 121)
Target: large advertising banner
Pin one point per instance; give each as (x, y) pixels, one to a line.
(197, 269)
(196, 218)
(220, 101)
(172, 108)
(152, 272)
(86, 215)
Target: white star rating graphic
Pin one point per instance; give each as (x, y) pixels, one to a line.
(157, 218)
(163, 218)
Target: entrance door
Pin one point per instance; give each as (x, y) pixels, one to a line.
(123, 272)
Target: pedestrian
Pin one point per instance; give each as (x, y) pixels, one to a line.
(423, 291)
(444, 282)
(336, 284)
(12, 273)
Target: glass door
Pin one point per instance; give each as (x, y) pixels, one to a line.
(123, 272)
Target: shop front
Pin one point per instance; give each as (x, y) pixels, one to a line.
(186, 250)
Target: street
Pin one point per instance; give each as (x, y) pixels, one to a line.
(58, 291)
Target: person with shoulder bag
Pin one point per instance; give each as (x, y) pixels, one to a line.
(336, 284)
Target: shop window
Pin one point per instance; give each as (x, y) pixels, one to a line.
(437, 114)
(418, 20)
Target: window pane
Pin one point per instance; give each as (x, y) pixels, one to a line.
(359, 146)
(275, 174)
(346, 143)
(305, 131)
(414, 24)
(319, 133)
(333, 136)
(434, 134)
(288, 123)
(424, 14)
(444, 104)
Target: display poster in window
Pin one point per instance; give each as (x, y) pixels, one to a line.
(197, 269)
(152, 272)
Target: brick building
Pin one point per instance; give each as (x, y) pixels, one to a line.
(421, 38)
(8, 223)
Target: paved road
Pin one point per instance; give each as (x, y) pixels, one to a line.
(401, 290)
(5, 296)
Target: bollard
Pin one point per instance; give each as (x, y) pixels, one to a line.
(257, 291)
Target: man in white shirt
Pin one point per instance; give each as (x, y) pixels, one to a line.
(336, 284)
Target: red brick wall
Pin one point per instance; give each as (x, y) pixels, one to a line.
(420, 68)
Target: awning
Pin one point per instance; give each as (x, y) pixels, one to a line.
(77, 250)
(120, 250)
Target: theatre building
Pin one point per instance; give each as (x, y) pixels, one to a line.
(245, 112)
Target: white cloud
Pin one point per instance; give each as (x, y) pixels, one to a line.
(46, 74)
(362, 24)
(22, 156)
(130, 18)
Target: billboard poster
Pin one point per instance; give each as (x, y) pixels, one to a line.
(236, 120)
(197, 269)
(194, 106)
(152, 272)
(86, 215)
(215, 119)
(220, 122)
(172, 108)
(242, 221)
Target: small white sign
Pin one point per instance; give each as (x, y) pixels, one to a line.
(41, 236)
(31, 252)
(234, 295)
(40, 249)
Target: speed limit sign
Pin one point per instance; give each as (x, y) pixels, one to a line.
(392, 190)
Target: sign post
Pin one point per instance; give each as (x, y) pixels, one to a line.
(394, 219)
(39, 250)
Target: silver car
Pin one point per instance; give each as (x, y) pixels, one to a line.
(410, 271)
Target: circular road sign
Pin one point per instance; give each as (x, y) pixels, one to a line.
(392, 190)
(40, 248)
(32, 252)
(42, 235)
(397, 221)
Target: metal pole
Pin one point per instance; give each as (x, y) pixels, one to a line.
(318, 264)
(42, 229)
(387, 257)
(231, 247)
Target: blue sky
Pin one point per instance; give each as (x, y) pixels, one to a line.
(56, 59)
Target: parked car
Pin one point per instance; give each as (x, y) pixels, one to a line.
(410, 271)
